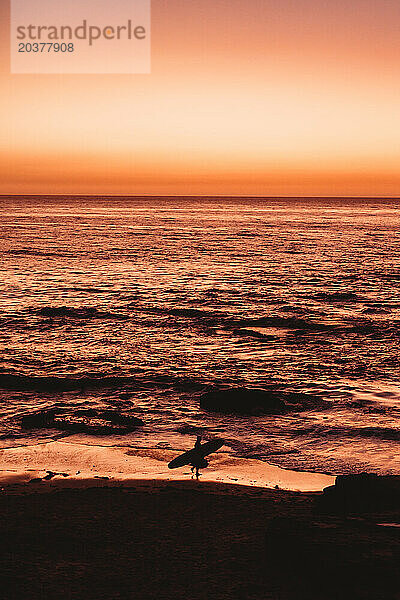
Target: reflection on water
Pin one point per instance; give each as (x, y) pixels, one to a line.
(139, 304)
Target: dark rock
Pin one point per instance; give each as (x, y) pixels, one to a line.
(247, 401)
(242, 401)
(332, 559)
(362, 493)
(92, 421)
(39, 419)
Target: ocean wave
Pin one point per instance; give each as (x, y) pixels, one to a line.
(381, 328)
(336, 297)
(376, 310)
(382, 433)
(188, 313)
(195, 313)
(232, 322)
(84, 312)
(62, 384)
(14, 322)
(282, 323)
(31, 252)
(251, 333)
(341, 431)
(142, 380)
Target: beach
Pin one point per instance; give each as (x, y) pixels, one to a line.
(90, 520)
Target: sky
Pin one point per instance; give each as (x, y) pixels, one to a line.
(267, 98)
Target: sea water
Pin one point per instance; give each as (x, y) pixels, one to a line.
(140, 305)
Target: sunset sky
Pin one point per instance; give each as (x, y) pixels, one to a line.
(260, 97)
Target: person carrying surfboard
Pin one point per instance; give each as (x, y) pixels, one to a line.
(195, 456)
(198, 461)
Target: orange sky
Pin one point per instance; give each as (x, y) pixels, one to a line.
(288, 97)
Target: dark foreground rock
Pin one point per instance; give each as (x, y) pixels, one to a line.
(333, 560)
(362, 493)
(93, 421)
(247, 401)
(171, 540)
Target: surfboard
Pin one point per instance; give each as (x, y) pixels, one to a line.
(195, 454)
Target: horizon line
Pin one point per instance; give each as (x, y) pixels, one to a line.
(78, 195)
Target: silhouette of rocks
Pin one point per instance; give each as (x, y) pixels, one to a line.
(50, 475)
(365, 492)
(42, 418)
(93, 421)
(247, 401)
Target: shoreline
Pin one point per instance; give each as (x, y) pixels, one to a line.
(72, 463)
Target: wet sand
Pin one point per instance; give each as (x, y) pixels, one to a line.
(186, 539)
(77, 460)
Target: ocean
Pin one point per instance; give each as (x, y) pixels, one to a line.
(121, 308)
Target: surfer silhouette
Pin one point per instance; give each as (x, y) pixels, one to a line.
(198, 461)
(196, 456)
